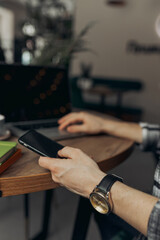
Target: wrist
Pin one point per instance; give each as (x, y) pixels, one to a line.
(116, 196)
(96, 179)
(109, 126)
(101, 197)
(122, 129)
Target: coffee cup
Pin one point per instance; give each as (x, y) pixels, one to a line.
(2, 125)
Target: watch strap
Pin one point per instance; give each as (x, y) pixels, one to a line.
(107, 182)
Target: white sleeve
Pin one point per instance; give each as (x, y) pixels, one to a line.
(151, 136)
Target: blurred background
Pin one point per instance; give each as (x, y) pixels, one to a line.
(111, 49)
(109, 40)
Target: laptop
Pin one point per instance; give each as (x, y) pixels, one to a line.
(34, 97)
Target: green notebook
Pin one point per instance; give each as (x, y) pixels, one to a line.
(6, 150)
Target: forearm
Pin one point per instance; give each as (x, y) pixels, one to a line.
(131, 131)
(80, 174)
(132, 205)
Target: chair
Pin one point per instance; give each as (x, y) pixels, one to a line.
(105, 88)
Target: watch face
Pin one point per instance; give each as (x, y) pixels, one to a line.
(99, 203)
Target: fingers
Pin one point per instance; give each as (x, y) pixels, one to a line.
(68, 122)
(72, 116)
(69, 115)
(68, 152)
(65, 117)
(46, 162)
(52, 164)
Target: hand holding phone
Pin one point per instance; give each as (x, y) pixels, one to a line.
(40, 144)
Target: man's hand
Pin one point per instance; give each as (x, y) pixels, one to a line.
(92, 124)
(74, 170)
(80, 174)
(89, 123)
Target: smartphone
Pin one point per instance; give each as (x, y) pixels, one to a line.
(40, 144)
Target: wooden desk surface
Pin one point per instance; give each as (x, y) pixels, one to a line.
(26, 176)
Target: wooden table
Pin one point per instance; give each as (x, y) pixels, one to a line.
(26, 176)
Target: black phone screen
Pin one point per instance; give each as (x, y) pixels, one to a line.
(40, 144)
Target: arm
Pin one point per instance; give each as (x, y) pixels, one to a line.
(81, 174)
(133, 206)
(131, 131)
(92, 124)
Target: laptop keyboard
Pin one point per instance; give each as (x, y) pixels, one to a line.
(37, 126)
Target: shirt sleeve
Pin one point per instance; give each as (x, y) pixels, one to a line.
(150, 137)
(154, 223)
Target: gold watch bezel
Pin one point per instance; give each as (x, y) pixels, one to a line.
(101, 201)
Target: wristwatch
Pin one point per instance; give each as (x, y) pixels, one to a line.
(100, 198)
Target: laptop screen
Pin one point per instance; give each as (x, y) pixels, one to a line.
(33, 92)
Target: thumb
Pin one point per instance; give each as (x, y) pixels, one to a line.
(52, 164)
(45, 162)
